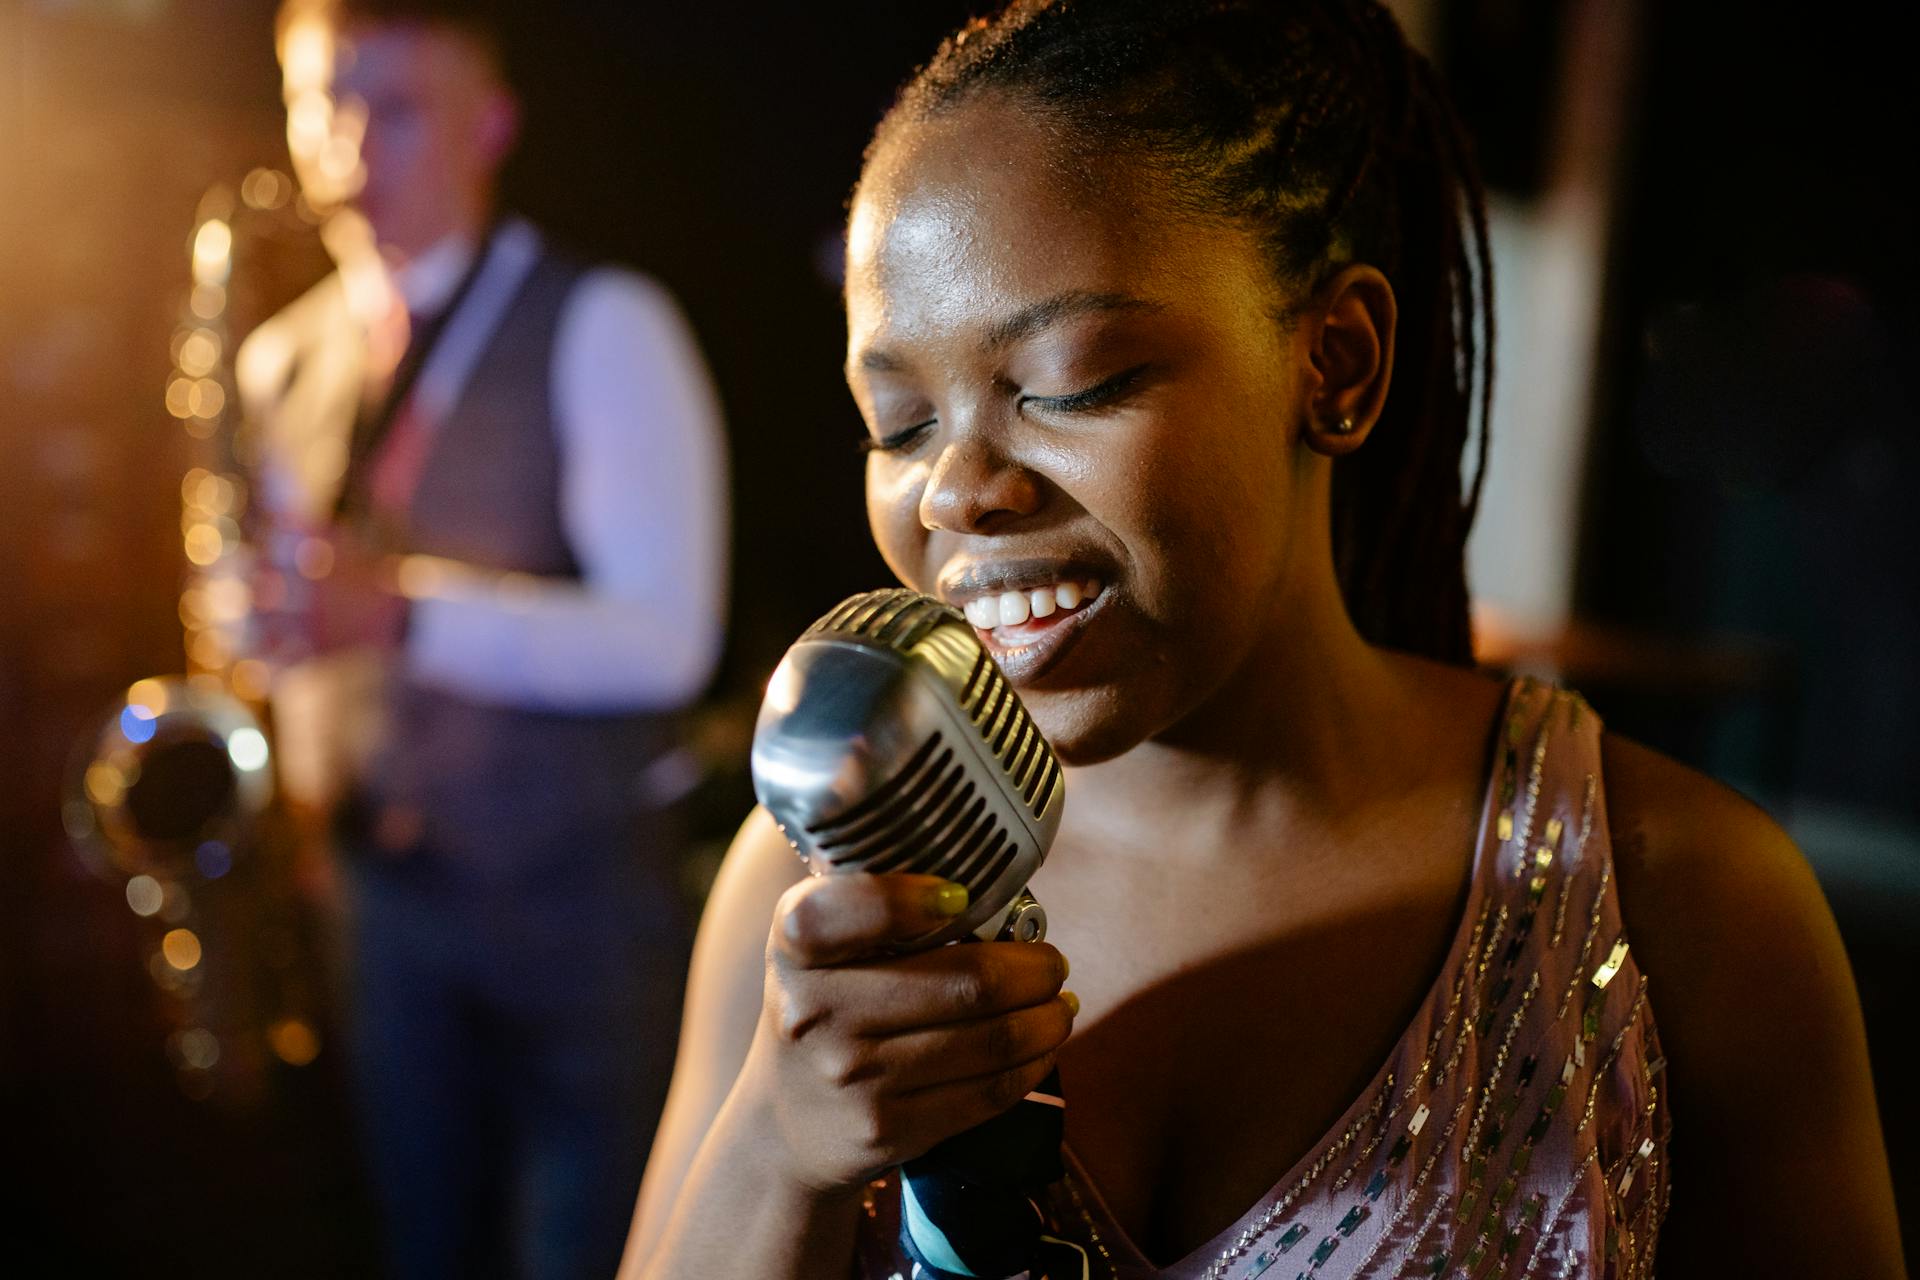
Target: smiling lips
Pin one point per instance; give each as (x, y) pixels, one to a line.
(1011, 608)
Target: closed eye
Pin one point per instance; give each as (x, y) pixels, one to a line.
(1094, 397)
(898, 440)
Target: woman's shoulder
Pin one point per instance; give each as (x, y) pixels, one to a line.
(1760, 1023)
(1705, 873)
(1723, 909)
(1724, 912)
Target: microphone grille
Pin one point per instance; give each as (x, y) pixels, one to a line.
(939, 635)
(928, 817)
(897, 618)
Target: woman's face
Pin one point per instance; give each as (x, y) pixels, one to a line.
(1084, 417)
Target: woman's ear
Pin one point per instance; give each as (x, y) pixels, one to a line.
(1351, 356)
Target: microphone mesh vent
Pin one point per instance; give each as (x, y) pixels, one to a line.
(898, 618)
(905, 620)
(1010, 734)
(927, 818)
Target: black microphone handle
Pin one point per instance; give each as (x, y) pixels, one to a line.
(971, 1198)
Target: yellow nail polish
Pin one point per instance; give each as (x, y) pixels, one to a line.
(950, 899)
(1073, 1002)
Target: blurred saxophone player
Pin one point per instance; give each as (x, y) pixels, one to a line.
(495, 495)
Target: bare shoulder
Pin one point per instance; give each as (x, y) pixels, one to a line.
(1760, 1023)
(1701, 867)
(1726, 919)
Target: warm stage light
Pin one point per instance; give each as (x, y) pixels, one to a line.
(199, 353)
(203, 544)
(181, 947)
(212, 252)
(294, 1042)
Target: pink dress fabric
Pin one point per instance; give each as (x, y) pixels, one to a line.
(1519, 1127)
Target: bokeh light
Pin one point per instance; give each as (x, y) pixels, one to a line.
(294, 1041)
(197, 1049)
(144, 895)
(206, 398)
(208, 301)
(181, 947)
(106, 782)
(213, 859)
(149, 693)
(137, 724)
(266, 189)
(199, 353)
(203, 543)
(180, 397)
(247, 748)
(212, 252)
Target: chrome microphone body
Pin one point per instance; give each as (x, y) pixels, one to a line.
(889, 741)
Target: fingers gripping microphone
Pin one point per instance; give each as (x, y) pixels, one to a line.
(889, 741)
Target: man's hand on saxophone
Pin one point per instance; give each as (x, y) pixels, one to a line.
(337, 594)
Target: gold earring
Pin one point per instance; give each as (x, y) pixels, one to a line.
(1344, 427)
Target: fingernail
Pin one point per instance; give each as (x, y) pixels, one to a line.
(950, 899)
(1073, 1002)
(1066, 966)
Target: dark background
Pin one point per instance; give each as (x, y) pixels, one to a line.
(1748, 531)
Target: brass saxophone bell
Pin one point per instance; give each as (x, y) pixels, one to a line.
(175, 764)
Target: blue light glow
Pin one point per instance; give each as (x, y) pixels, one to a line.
(137, 724)
(213, 859)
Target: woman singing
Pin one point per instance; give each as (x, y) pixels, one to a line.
(1169, 321)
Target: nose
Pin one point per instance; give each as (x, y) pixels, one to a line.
(974, 488)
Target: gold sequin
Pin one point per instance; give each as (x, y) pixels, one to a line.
(1611, 965)
(1499, 1066)
(1579, 851)
(1533, 792)
(1613, 1051)
(1586, 947)
(1413, 1193)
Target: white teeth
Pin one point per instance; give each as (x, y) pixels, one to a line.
(1011, 608)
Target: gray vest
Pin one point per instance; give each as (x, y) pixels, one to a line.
(507, 797)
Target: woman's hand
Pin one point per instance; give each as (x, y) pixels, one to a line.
(866, 1057)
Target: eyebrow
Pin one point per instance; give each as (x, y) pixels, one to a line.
(1026, 322)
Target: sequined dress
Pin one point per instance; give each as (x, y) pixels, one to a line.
(1519, 1127)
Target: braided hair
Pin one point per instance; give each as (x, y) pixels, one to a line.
(1314, 124)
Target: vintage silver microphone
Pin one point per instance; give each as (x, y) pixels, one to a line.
(889, 741)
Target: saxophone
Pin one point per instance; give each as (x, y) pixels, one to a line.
(172, 795)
